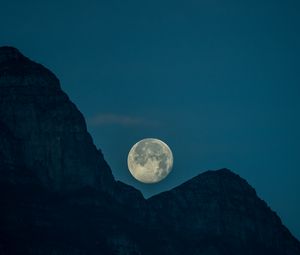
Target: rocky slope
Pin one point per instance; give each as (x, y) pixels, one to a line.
(52, 138)
(58, 195)
(219, 209)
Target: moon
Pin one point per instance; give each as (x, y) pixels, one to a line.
(150, 160)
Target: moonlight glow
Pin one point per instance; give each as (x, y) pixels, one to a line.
(150, 160)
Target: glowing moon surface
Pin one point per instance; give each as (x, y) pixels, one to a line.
(150, 160)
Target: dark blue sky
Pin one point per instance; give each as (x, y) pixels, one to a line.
(219, 81)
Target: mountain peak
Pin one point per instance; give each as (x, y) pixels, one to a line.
(214, 183)
(221, 205)
(217, 173)
(50, 132)
(16, 70)
(216, 179)
(8, 53)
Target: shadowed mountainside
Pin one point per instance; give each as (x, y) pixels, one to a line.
(58, 195)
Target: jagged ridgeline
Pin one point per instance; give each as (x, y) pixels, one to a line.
(58, 195)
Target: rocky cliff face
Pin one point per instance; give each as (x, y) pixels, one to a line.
(52, 138)
(58, 195)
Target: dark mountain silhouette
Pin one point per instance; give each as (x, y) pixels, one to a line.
(58, 195)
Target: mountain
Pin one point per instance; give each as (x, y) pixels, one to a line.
(218, 212)
(58, 194)
(52, 138)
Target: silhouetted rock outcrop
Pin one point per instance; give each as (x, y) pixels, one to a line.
(52, 138)
(219, 209)
(58, 195)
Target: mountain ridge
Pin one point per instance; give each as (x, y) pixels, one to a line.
(59, 195)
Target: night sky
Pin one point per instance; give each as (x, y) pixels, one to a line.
(218, 81)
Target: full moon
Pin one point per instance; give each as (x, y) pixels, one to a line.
(150, 160)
